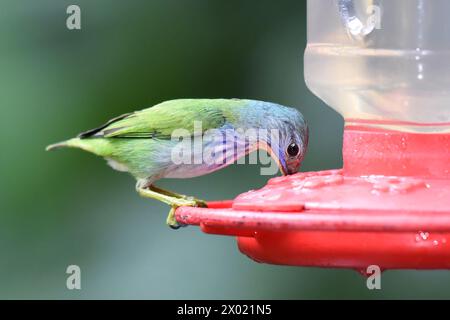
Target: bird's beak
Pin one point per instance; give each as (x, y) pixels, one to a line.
(293, 166)
(284, 170)
(280, 163)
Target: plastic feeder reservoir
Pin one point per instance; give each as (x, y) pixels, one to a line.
(384, 66)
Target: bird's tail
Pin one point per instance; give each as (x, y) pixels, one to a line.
(95, 146)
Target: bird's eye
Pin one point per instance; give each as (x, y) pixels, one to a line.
(293, 149)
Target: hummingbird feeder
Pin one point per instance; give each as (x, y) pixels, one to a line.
(383, 65)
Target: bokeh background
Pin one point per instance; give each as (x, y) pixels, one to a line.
(68, 207)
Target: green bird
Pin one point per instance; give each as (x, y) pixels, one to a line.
(191, 137)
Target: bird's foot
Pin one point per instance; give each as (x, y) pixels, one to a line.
(198, 202)
(172, 221)
(185, 202)
(172, 199)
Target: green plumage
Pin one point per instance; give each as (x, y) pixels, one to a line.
(129, 140)
(159, 121)
(141, 142)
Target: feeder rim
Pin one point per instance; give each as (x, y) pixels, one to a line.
(220, 214)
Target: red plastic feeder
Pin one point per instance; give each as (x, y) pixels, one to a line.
(390, 204)
(345, 218)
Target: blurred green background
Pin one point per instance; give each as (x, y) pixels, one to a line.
(68, 207)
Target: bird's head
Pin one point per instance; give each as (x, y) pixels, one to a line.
(290, 148)
(292, 151)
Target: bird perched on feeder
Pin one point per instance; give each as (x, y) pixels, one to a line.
(142, 142)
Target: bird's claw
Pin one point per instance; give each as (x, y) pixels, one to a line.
(185, 202)
(198, 202)
(171, 219)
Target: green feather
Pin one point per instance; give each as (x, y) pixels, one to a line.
(160, 121)
(128, 140)
(100, 147)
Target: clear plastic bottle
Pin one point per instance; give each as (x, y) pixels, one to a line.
(383, 63)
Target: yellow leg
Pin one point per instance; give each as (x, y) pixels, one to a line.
(170, 199)
(199, 203)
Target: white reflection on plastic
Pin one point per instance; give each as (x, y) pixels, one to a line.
(355, 27)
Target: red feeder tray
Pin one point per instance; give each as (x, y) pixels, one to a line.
(389, 206)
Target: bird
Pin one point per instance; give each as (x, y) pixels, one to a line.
(144, 144)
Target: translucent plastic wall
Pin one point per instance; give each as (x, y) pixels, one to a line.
(382, 62)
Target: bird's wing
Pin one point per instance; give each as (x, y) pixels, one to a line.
(161, 120)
